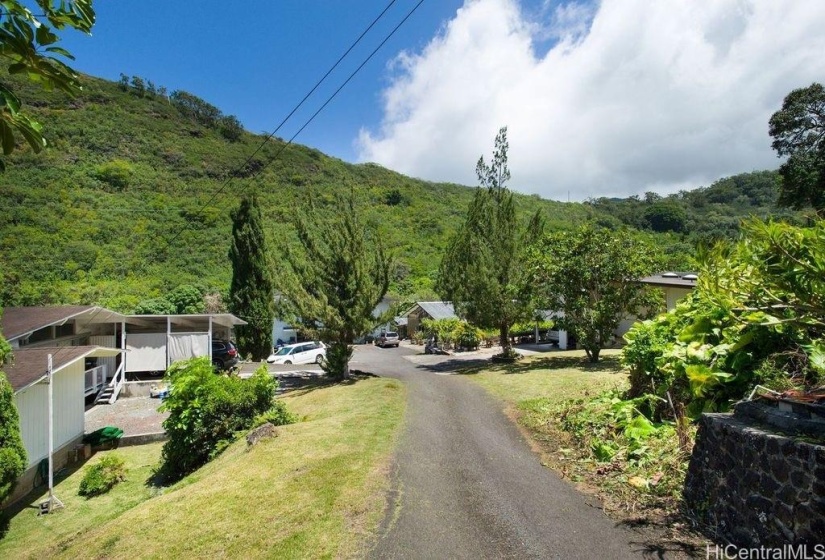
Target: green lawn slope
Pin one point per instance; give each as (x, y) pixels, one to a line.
(316, 491)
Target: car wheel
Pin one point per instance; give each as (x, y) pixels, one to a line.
(217, 365)
(319, 359)
(287, 363)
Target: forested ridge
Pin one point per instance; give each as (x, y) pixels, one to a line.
(132, 197)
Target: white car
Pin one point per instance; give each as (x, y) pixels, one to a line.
(301, 353)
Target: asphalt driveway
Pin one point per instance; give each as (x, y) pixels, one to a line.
(467, 485)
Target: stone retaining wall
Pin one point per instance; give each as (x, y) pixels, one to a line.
(753, 487)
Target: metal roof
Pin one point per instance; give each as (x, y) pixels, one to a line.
(671, 280)
(18, 322)
(436, 309)
(223, 319)
(31, 365)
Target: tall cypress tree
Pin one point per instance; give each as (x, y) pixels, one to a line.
(337, 280)
(12, 452)
(483, 271)
(252, 292)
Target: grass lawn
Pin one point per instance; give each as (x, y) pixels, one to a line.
(315, 491)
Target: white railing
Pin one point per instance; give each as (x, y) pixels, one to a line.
(95, 378)
(117, 382)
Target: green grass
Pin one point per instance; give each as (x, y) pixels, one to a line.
(557, 377)
(315, 491)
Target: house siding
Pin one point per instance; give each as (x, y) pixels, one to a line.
(32, 405)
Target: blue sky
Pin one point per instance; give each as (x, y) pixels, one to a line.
(257, 58)
(601, 97)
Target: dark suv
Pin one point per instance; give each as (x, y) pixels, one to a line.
(224, 355)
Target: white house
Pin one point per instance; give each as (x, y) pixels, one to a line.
(675, 285)
(28, 376)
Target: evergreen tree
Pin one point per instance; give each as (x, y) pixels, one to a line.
(252, 292)
(12, 452)
(483, 271)
(338, 279)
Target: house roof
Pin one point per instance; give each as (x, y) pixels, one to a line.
(671, 280)
(30, 365)
(436, 309)
(192, 320)
(18, 322)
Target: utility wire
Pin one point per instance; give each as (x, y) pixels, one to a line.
(312, 118)
(287, 117)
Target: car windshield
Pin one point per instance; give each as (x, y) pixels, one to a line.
(284, 351)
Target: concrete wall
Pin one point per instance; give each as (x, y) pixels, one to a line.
(753, 487)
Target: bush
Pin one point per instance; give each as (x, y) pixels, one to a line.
(12, 452)
(207, 412)
(102, 476)
(278, 415)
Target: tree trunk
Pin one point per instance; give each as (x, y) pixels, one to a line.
(504, 339)
(593, 354)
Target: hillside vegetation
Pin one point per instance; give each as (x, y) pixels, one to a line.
(132, 199)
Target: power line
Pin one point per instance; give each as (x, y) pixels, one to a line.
(257, 172)
(287, 117)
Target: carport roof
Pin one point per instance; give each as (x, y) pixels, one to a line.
(18, 322)
(222, 319)
(31, 365)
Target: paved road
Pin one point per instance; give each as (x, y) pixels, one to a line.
(466, 484)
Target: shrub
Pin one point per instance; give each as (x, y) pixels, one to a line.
(102, 476)
(116, 173)
(12, 452)
(277, 415)
(207, 412)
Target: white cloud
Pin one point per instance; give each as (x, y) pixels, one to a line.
(634, 95)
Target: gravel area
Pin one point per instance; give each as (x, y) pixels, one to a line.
(137, 415)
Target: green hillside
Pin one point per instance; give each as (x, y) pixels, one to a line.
(132, 199)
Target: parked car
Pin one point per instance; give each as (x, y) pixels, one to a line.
(387, 339)
(224, 355)
(301, 353)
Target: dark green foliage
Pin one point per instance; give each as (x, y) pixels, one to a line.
(483, 270)
(12, 452)
(28, 45)
(590, 274)
(798, 131)
(206, 411)
(252, 292)
(665, 216)
(182, 300)
(336, 280)
(230, 128)
(195, 108)
(757, 316)
(102, 476)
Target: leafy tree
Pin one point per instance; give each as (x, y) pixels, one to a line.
(798, 131)
(230, 128)
(207, 411)
(139, 86)
(483, 271)
(28, 43)
(195, 108)
(336, 281)
(665, 216)
(252, 292)
(12, 452)
(590, 274)
(123, 83)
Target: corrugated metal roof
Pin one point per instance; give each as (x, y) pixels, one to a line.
(438, 309)
(30, 365)
(18, 322)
